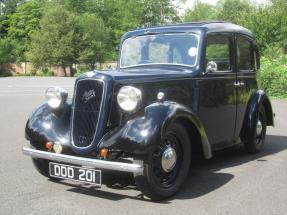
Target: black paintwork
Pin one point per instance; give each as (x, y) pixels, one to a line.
(221, 113)
(44, 125)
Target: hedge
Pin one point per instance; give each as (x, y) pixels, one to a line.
(272, 77)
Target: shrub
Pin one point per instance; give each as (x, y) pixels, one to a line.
(272, 77)
(47, 72)
(82, 69)
(5, 73)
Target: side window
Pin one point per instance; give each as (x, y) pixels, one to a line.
(218, 50)
(245, 55)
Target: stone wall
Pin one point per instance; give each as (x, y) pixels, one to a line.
(27, 68)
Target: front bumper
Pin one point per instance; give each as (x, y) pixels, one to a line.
(95, 163)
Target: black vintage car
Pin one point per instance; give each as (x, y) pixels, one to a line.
(179, 91)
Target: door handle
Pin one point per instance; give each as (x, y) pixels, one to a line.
(239, 84)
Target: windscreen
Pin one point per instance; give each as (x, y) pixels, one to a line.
(178, 49)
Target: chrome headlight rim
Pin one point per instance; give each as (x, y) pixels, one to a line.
(129, 98)
(56, 96)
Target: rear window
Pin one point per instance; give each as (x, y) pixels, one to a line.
(244, 53)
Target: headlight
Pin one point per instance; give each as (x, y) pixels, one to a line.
(56, 96)
(129, 98)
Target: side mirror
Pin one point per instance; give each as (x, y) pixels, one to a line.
(211, 66)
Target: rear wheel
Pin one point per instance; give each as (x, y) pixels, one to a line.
(166, 168)
(258, 133)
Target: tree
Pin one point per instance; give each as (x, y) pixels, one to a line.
(7, 54)
(119, 16)
(279, 17)
(230, 10)
(7, 7)
(268, 24)
(6, 51)
(78, 6)
(156, 12)
(58, 39)
(200, 11)
(21, 24)
(94, 40)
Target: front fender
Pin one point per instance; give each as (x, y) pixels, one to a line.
(47, 125)
(142, 134)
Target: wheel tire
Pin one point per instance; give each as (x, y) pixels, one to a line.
(257, 137)
(42, 166)
(154, 182)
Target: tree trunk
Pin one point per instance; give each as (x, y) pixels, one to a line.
(25, 67)
(72, 71)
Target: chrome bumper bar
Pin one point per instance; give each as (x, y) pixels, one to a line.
(95, 163)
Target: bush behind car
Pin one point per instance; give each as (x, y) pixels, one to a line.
(273, 76)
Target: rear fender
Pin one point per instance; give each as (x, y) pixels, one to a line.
(257, 99)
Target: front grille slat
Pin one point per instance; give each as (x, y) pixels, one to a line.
(87, 105)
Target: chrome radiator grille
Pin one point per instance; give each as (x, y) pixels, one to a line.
(87, 104)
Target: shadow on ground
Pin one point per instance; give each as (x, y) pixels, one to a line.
(204, 176)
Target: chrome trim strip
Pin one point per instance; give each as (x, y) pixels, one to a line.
(88, 162)
(73, 110)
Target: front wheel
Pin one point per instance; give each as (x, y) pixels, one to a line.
(167, 167)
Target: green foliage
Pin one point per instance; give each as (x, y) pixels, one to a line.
(230, 10)
(273, 76)
(119, 16)
(156, 12)
(22, 23)
(82, 69)
(47, 72)
(57, 40)
(79, 6)
(200, 12)
(6, 51)
(273, 51)
(94, 40)
(268, 24)
(25, 20)
(4, 73)
(7, 7)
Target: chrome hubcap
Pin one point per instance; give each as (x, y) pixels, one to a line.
(259, 128)
(168, 159)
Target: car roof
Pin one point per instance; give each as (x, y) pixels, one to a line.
(205, 26)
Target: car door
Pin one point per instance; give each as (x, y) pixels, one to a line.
(217, 105)
(246, 66)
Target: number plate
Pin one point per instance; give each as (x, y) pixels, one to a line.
(74, 173)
